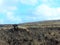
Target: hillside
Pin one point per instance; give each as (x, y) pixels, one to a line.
(34, 33)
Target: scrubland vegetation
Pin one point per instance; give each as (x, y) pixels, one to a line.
(36, 33)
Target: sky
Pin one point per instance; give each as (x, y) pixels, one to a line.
(22, 11)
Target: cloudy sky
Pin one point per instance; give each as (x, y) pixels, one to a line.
(22, 11)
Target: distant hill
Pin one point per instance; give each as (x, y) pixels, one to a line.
(32, 33)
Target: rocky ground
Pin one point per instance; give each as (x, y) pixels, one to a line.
(46, 33)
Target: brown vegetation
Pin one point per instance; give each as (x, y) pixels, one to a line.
(39, 33)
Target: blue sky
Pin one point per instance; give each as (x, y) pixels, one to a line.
(22, 11)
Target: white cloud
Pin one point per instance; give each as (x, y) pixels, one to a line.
(11, 17)
(12, 8)
(15, 1)
(30, 18)
(1, 5)
(47, 12)
(50, 3)
(1, 2)
(29, 2)
(43, 1)
(1, 21)
(6, 5)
